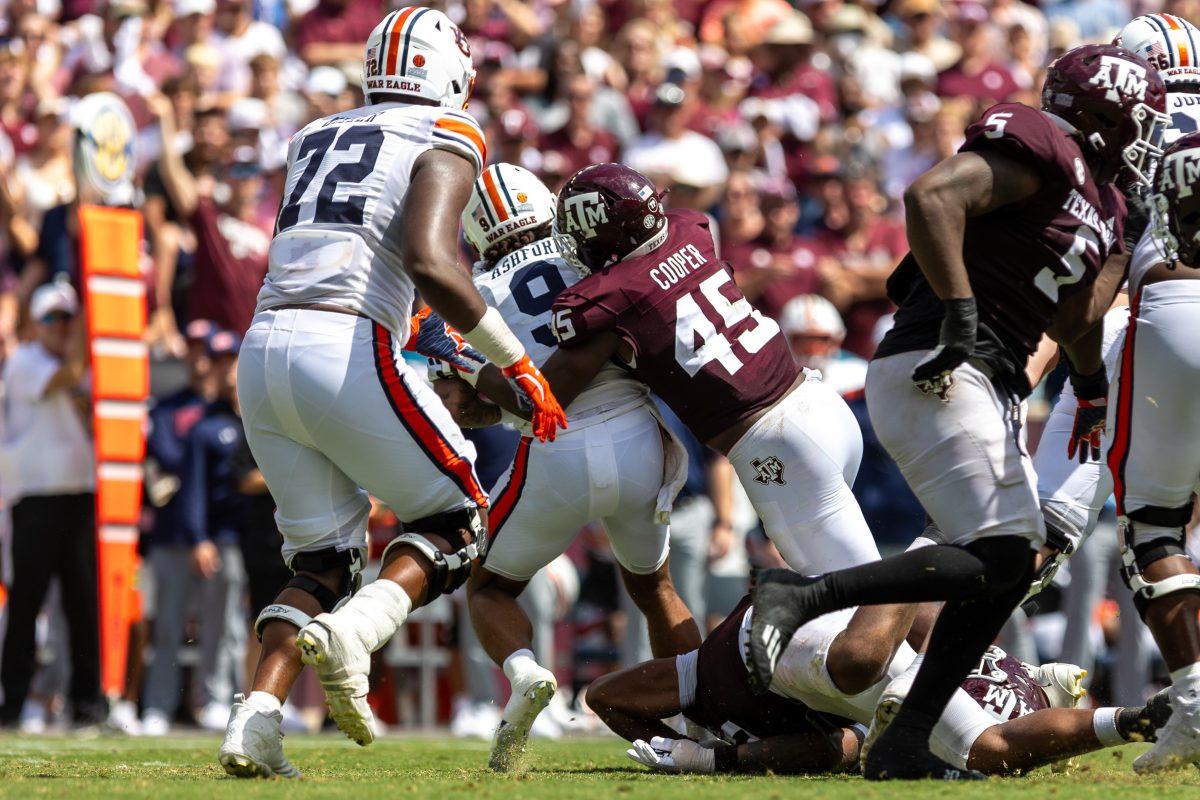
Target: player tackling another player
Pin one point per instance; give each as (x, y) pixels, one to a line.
(615, 463)
(331, 411)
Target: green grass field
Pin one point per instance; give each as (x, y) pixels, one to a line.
(589, 769)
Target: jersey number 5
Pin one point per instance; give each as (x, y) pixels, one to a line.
(697, 340)
(327, 190)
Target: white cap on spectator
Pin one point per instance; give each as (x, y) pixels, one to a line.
(792, 29)
(683, 59)
(185, 8)
(325, 80)
(247, 113)
(813, 315)
(51, 297)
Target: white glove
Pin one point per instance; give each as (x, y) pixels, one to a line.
(672, 755)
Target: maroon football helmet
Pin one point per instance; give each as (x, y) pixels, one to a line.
(1177, 223)
(1116, 101)
(607, 213)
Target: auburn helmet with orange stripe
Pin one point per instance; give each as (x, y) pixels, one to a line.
(1168, 42)
(506, 200)
(419, 52)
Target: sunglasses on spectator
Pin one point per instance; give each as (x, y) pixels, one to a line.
(56, 316)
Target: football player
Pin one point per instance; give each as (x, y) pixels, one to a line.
(1018, 234)
(1073, 493)
(615, 463)
(1154, 457)
(332, 414)
(1006, 717)
(657, 298)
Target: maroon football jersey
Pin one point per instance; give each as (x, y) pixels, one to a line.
(1023, 258)
(697, 342)
(1003, 687)
(724, 703)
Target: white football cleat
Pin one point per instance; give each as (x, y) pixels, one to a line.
(342, 663)
(123, 718)
(530, 695)
(155, 723)
(1177, 744)
(885, 711)
(1062, 683)
(253, 746)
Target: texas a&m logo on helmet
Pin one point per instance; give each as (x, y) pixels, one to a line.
(582, 214)
(1120, 76)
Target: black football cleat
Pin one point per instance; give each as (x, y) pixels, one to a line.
(897, 758)
(782, 603)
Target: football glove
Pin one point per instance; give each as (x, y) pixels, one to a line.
(533, 393)
(1138, 204)
(439, 369)
(934, 374)
(432, 337)
(1091, 395)
(672, 755)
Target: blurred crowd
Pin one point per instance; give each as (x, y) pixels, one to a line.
(796, 125)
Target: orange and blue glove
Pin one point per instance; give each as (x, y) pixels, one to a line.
(534, 394)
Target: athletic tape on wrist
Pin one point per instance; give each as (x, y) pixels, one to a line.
(493, 338)
(1104, 723)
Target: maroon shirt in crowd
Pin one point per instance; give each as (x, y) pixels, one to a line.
(885, 241)
(564, 157)
(334, 23)
(696, 342)
(771, 291)
(230, 264)
(994, 82)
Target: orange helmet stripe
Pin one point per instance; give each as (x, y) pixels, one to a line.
(394, 34)
(489, 183)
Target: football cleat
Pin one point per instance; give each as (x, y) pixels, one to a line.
(781, 605)
(1177, 744)
(886, 709)
(342, 663)
(253, 746)
(896, 757)
(529, 697)
(1062, 683)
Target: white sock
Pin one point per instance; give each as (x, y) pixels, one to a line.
(263, 701)
(910, 672)
(520, 662)
(376, 612)
(1104, 723)
(1185, 685)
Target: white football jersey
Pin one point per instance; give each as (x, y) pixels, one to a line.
(348, 176)
(522, 286)
(1184, 110)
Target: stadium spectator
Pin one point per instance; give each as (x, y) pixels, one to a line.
(333, 32)
(48, 475)
(675, 156)
(579, 142)
(977, 74)
(203, 559)
(231, 236)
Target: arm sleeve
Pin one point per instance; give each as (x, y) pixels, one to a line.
(458, 132)
(578, 318)
(193, 488)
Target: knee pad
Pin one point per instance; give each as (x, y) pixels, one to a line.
(318, 561)
(450, 570)
(1151, 534)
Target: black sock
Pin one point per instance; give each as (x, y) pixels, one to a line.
(935, 573)
(964, 630)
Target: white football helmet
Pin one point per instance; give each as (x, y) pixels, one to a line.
(1168, 42)
(507, 200)
(813, 315)
(419, 51)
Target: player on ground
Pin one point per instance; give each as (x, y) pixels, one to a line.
(1007, 717)
(615, 463)
(657, 298)
(1072, 493)
(1017, 235)
(331, 411)
(1154, 457)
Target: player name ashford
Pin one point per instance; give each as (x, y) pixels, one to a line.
(676, 266)
(1078, 206)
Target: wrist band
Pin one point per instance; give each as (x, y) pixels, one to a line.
(1104, 723)
(493, 338)
(725, 758)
